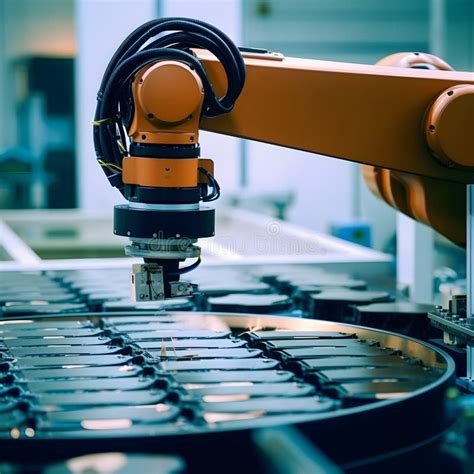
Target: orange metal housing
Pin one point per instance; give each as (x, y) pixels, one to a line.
(451, 144)
(168, 97)
(165, 172)
(162, 172)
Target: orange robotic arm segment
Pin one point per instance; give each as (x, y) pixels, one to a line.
(366, 114)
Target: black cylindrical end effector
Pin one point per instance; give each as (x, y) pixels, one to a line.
(163, 224)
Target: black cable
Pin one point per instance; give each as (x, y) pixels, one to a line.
(173, 39)
(182, 271)
(216, 189)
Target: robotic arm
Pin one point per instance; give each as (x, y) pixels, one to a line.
(172, 76)
(156, 90)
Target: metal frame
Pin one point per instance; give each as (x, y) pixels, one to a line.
(470, 277)
(15, 247)
(258, 233)
(459, 329)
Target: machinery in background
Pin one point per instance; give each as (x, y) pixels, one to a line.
(40, 172)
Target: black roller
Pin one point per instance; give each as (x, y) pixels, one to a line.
(150, 195)
(335, 305)
(164, 151)
(403, 317)
(248, 303)
(152, 223)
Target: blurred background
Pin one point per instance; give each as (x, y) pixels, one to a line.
(53, 54)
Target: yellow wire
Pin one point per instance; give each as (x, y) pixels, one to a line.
(121, 147)
(98, 123)
(110, 166)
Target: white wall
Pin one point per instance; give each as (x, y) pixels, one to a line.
(323, 186)
(3, 76)
(101, 26)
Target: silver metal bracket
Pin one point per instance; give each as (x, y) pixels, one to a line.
(182, 288)
(457, 330)
(465, 383)
(470, 274)
(147, 282)
(460, 330)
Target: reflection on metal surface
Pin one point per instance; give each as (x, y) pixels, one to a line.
(30, 432)
(118, 424)
(17, 321)
(97, 463)
(225, 398)
(387, 396)
(213, 418)
(406, 345)
(196, 386)
(126, 368)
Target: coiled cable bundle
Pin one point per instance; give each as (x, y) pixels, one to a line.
(156, 40)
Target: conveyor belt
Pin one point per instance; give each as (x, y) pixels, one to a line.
(174, 374)
(197, 384)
